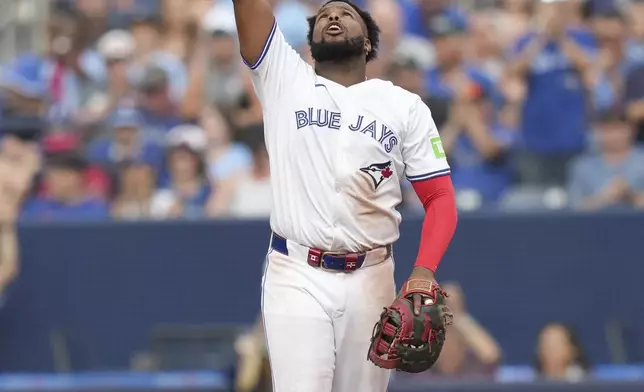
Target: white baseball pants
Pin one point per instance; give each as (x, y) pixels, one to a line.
(319, 323)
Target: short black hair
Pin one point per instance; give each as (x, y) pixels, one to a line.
(67, 160)
(373, 31)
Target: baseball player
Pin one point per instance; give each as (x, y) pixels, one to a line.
(339, 145)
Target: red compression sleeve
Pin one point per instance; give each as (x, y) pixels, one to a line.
(438, 197)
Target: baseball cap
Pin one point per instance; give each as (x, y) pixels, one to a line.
(187, 135)
(24, 76)
(220, 20)
(60, 142)
(27, 128)
(154, 77)
(446, 23)
(414, 52)
(70, 160)
(126, 118)
(116, 45)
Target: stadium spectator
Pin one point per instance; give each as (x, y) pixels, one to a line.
(148, 33)
(485, 48)
(635, 100)
(253, 372)
(636, 43)
(103, 57)
(116, 48)
(226, 158)
(157, 108)
(560, 356)
(125, 143)
(180, 20)
(67, 196)
(613, 177)
(513, 20)
(219, 57)
(452, 77)
(96, 180)
(71, 71)
(388, 15)
(612, 65)
(470, 351)
(247, 194)
(22, 88)
(478, 147)
(136, 183)
(553, 60)
(407, 70)
(416, 15)
(188, 189)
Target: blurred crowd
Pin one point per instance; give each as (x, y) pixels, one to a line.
(141, 109)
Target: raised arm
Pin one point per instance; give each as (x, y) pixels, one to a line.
(255, 22)
(275, 67)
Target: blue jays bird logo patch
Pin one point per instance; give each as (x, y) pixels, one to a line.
(378, 172)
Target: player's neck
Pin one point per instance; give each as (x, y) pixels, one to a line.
(345, 73)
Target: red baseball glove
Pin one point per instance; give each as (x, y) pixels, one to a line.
(411, 342)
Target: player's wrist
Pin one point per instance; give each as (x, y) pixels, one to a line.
(423, 272)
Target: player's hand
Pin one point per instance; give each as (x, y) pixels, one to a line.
(618, 189)
(424, 274)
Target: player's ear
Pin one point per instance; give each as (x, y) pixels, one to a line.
(367, 46)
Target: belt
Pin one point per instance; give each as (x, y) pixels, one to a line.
(335, 261)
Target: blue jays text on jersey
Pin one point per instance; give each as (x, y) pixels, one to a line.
(324, 118)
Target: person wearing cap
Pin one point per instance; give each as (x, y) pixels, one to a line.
(215, 67)
(125, 143)
(67, 195)
(614, 176)
(160, 113)
(116, 48)
(187, 190)
(452, 77)
(554, 63)
(148, 33)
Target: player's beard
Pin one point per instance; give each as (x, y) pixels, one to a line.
(337, 52)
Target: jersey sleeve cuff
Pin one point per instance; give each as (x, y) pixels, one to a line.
(427, 176)
(267, 45)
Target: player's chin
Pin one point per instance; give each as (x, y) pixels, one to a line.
(334, 37)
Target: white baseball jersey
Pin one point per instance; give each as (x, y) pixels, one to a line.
(338, 154)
